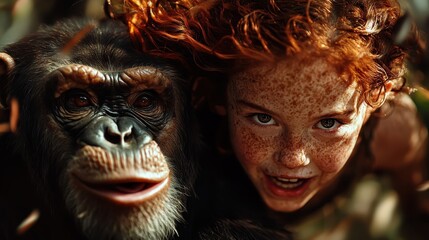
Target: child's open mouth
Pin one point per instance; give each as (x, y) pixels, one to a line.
(287, 186)
(289, 183)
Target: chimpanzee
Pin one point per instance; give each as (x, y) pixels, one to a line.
(105, 130)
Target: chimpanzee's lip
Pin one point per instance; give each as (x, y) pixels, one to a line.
(127, 191)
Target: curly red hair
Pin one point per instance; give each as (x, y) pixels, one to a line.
(356, 36)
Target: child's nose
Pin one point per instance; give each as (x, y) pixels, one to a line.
(293, 158)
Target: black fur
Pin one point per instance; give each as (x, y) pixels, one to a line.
(44, 145)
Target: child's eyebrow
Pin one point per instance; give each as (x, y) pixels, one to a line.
(253, 105)
(347, 112)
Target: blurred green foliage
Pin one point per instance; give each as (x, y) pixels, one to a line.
(20, 17)
(422, 102)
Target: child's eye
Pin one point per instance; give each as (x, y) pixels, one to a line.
(328, 124)
(263, 119)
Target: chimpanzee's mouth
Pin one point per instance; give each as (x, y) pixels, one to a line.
(125, 191)
(128, 187)
(124, 188)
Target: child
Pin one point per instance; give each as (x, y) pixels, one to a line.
(310, 87)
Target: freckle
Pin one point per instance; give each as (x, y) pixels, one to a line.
(328, 89)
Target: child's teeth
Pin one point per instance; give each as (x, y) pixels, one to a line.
(288, 183)
(292, 180)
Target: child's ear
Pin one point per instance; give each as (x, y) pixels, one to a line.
(388, 88)
(388, 96)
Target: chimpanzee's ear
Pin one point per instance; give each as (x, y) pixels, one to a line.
(6, 65)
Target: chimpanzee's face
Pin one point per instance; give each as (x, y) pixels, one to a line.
(106, 127)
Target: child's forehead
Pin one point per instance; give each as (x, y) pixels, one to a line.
(305, 62)
(289, 76)
(299, 64)
(290, 90)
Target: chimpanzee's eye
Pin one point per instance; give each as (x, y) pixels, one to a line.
(146, 100)
(76, 99)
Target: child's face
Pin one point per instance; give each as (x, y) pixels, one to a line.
(293, 128)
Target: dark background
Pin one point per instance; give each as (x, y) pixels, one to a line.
(20, 17)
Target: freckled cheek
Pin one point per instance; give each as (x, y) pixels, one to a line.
(333, 159)
(249, 148)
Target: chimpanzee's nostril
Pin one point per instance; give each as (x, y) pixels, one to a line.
(128, 136)
(112, 137)
(116, 136)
